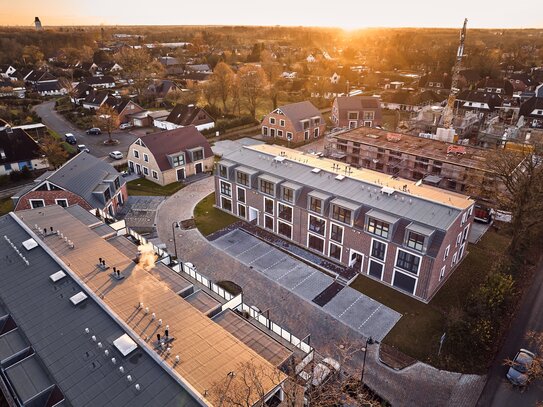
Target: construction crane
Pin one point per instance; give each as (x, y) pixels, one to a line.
(448, 112)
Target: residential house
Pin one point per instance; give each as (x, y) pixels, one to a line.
(33, 77)
(334, 79)
(187, 115)
(190, 79)
(109, 67)
(532, 109)
(84, 180)
(501, 87)
(355, 111)
(522, 82)
(404, 235)
(50, 88)
(124, 108)
(199, 68)
(172, 155)
(18, 150)
(478, 102)
(80, 92)
(100, 82)
(7, 72)
(294, 122)
(438, 83)
(95, 99)
(173, 66)
(88, 66)
(160, 88)
(9, 88)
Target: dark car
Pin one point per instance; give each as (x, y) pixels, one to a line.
(70, 138)
(95, 131)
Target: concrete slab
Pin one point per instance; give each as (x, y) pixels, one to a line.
(477, 231)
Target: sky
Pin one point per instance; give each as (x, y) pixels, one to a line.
(348, 14)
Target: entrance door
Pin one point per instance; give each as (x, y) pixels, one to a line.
(199, 168)
(253, 215)
(131, 166)
(180, 174)
(356, 260)
(138, 169)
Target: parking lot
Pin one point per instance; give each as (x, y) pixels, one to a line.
(349, 306)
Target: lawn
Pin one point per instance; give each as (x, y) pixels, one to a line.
(210, 219)
(6, 206)
(418, 332)
(144, 187)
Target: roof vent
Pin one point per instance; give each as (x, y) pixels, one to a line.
(340, 177)
(30, 244)
(316, 170)
(387, 190)
(78, 298)
(57, 276)
(125, 344)
(279, 159)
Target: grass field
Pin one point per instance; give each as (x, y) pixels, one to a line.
(210, 219)
(6, 206)
(144, 187)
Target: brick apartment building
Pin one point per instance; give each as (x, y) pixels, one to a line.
(295, 122)
(356, 111)
(395, 231)
(449, 166)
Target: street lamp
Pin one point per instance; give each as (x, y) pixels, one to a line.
(369, 341)
(175, 225)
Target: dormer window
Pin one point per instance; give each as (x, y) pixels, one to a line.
(198, 155)
(415, 241)
(223, 171)
(178, 160)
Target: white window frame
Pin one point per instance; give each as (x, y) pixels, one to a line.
(237, 210)
(318, 236)
(465, 234)
(36, 200)
(454, 258)
(461, 251)
(411, 253)
(470, 211)
(136, 153)
(395, 270)
(282, 122)
(323, 236)
(447, 251)
(285, 223)
(368, 123)
(442, 273)
(220, 189)
(278, 211)
(264, 206)
(244, 193)
(272, 120)
(229, 199)
(386, 251)
(154, 174)
(272, 223)
(145, 157)
(280, 133)
(145, 171)
(265, 131)
(464, 217)
(370, 259)
(289, 135)
(458, 239)
(330, 233)
(340, 250)
(61, 199)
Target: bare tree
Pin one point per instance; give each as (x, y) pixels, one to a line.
(107, 119)
(223, 79)
(273, 71)
(252, 85)
(139, 67)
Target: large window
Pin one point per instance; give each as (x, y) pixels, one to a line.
(267, 187)
(378, 227)
(242, 178)
(315, 204)
(179, 160)
(136, 154)
(415, 241)
(37, 203)
(408, 262)
(226, 188)
(335, 251)
(378, 249)
(268, 222)
(284, 229)
(288, 195)
(315, 243)
(368, 115)
(285, 212)
(268, 206)
(223, 171)
(404, 282)
(317, 225)
(62, 202)
(375, 269)
(198, 155)
(353, 115)
(341, 214)
(241, 211)
(241, 195)
(226, 204)
(336, 233)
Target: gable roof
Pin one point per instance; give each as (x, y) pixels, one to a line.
(17, 146)
(82, 90)
(186, 115)
(162, 87)
(496, 83)
(164, 143)
(199, 68)
(534, 103)
(492, 99)
(48, 86)
(37, 76)
(358, 102)
(120, 104)
(82, 174)
(96, 97)
(99, 80)
(299, 111)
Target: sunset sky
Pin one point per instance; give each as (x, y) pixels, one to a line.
(337, 13)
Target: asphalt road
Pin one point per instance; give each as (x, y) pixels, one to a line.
(498, 392)
(95, 144)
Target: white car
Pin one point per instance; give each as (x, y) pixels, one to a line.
(117, 155)
(519, 373)
(125, 126)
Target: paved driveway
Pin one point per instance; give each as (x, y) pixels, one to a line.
(358, 311)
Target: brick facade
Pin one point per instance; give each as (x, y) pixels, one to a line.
(273, 127)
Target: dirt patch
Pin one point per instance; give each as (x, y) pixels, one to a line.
(188, 224)
(393, 358)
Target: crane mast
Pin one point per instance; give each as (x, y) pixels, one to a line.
(448, 112)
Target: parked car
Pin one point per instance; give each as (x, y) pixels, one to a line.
(70, 138)
(82, 148)
(117, 155)
(124, 126)
(518, 372)
(324, 370)
(94, 131)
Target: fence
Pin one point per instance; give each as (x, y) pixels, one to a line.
(161, 252)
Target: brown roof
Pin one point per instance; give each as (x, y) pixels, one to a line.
(358, 103)
(299, 111)
(186, 115)
(163, 143)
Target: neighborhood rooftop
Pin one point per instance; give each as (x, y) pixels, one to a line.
(207, 351)
(420, 203)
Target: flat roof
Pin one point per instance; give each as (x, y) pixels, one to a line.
(207, 351)
(382, 216)
(203, 302)
(419, 146)
(420, 203)
(64, 354)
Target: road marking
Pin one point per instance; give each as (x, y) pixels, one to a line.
(350, 306)
(259, 257)
(304, 280)
(250, 248)
(371, 315)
